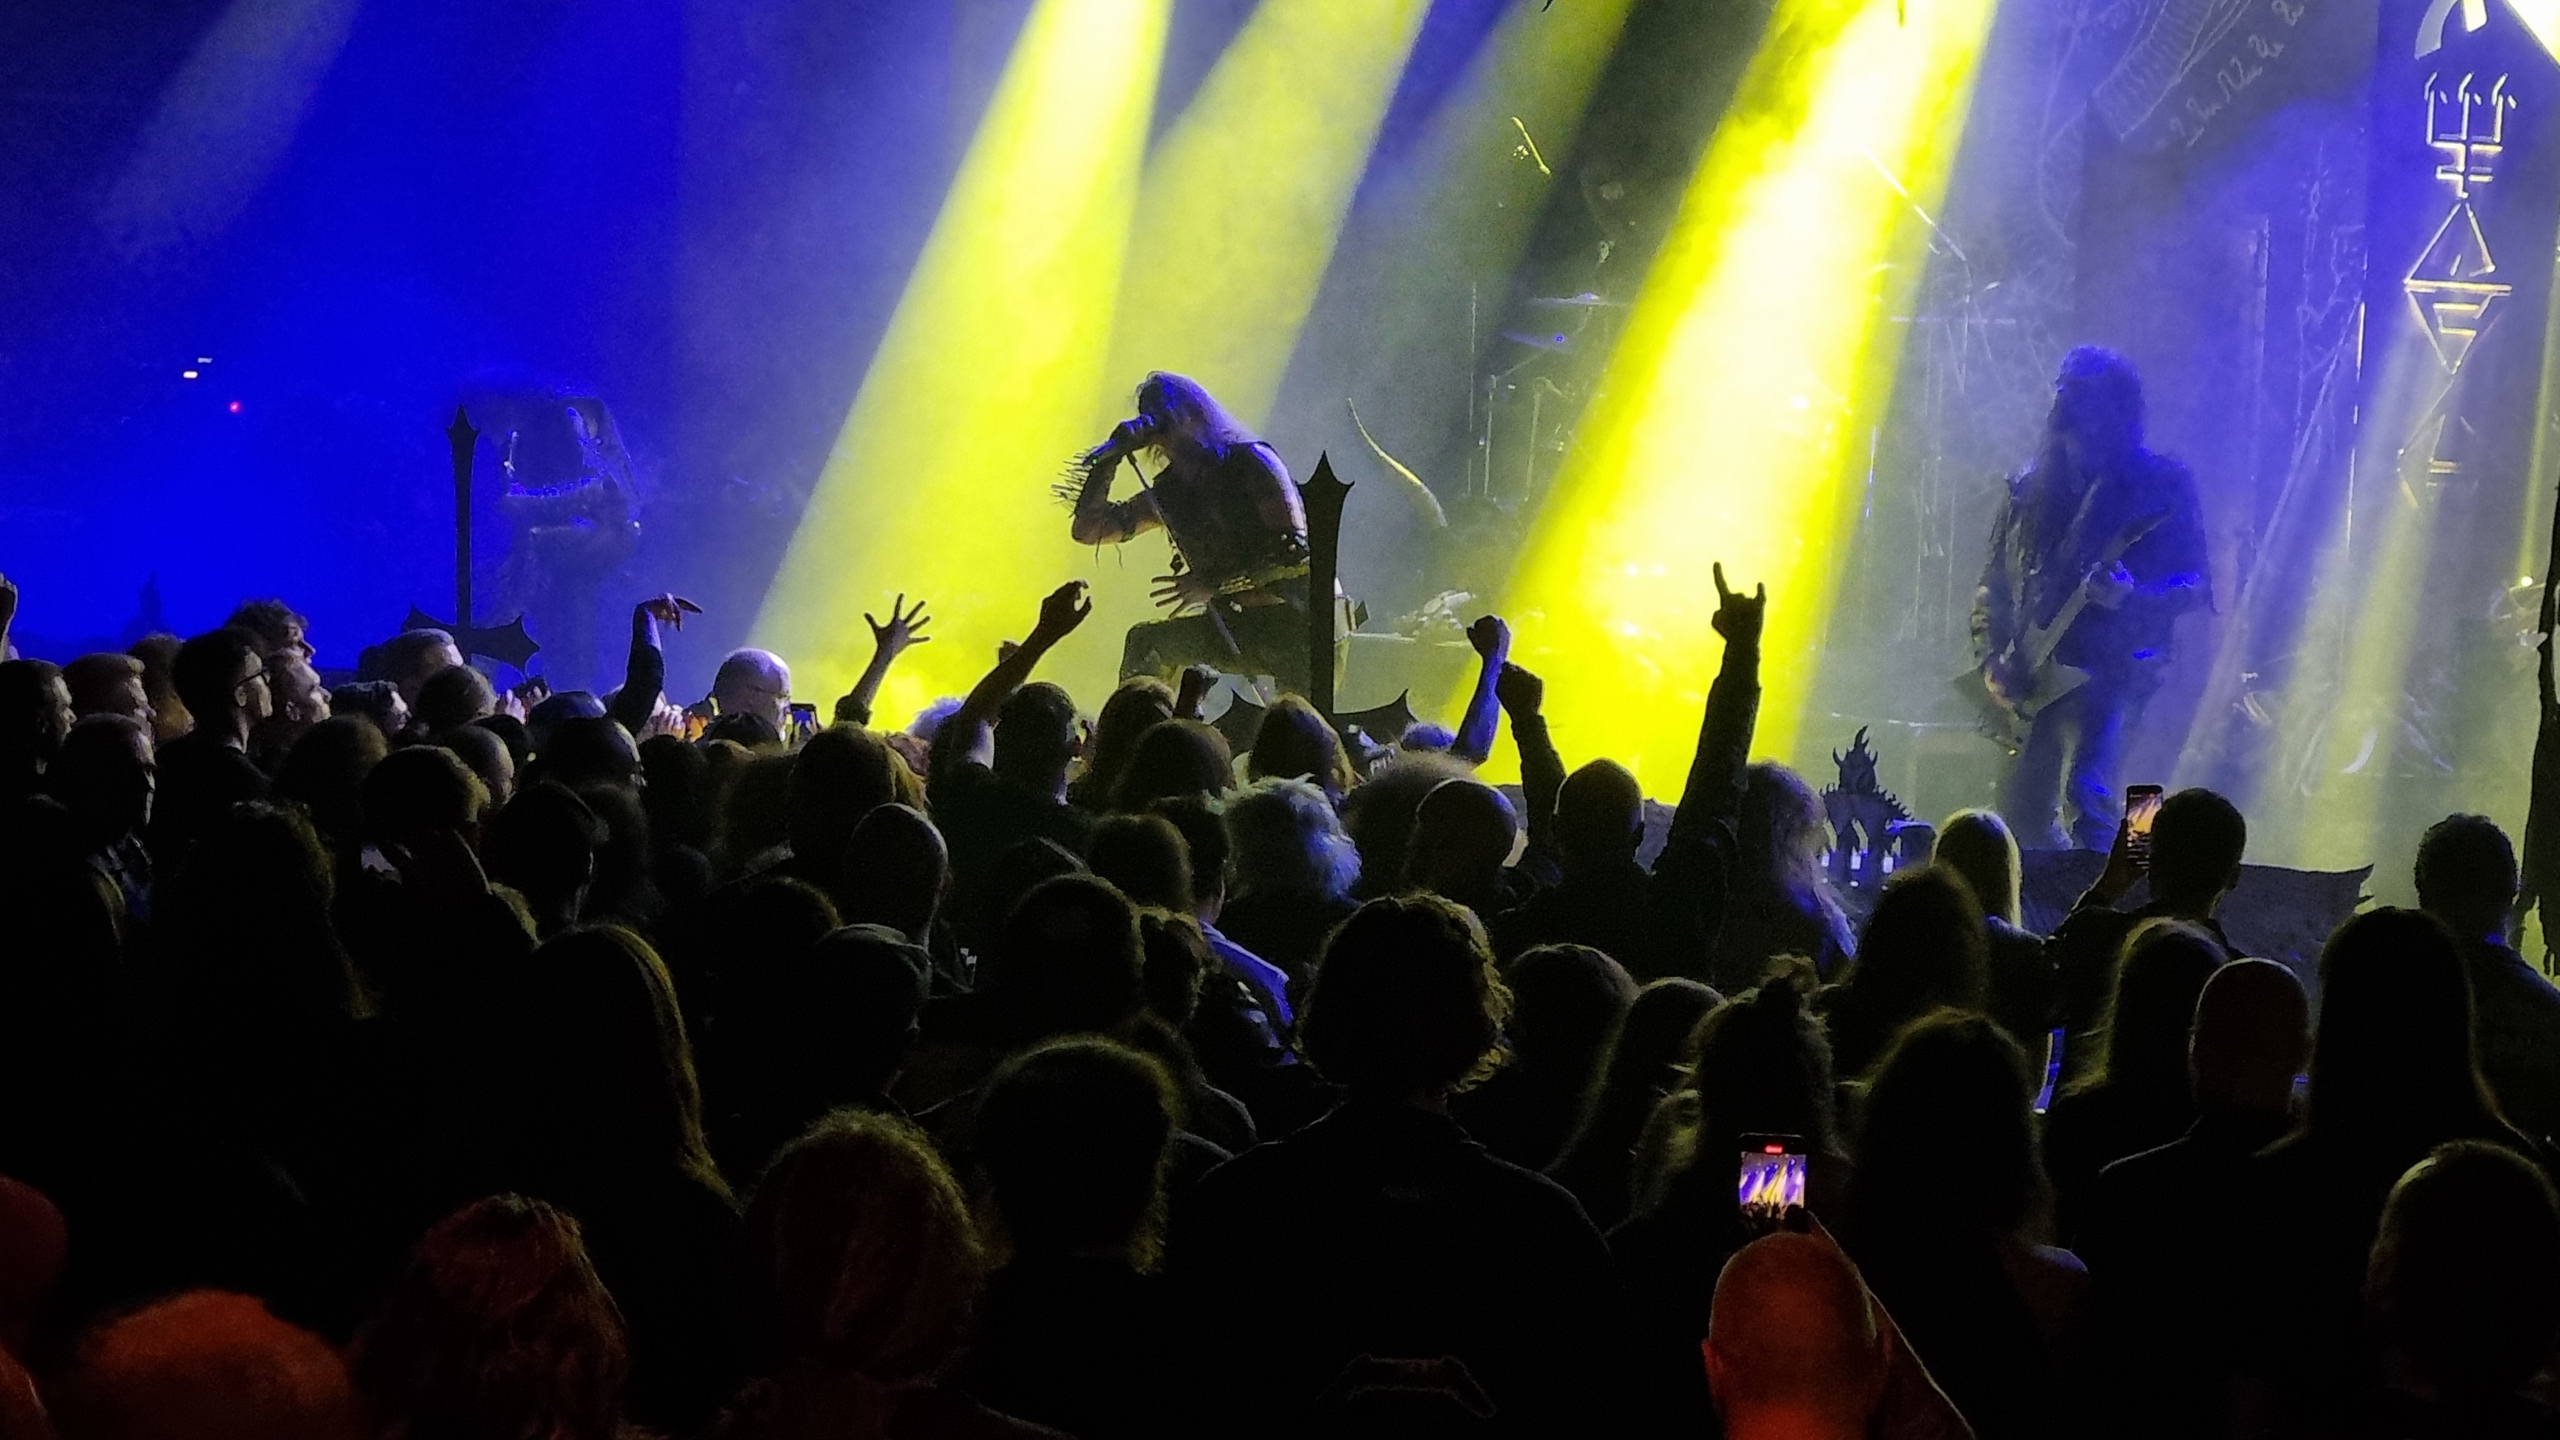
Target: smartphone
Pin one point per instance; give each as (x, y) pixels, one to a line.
(804, 723)
(2141, 807)
(1772, 1181)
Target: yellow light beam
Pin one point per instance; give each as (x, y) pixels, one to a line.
(985, 380)
(1724, 423)
(1246, 193)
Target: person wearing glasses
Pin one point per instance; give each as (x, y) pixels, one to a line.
(223, 682)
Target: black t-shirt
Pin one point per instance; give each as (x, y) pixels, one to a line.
(200, 778)
(982, 816)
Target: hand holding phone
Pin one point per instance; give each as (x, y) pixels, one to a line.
(804, 723)
(1772, 1180)
(2141, 807)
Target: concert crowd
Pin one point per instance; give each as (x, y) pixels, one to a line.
(412, 1059)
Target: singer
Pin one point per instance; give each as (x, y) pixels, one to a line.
(1237, 589)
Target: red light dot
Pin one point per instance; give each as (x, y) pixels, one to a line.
(1773, 1149)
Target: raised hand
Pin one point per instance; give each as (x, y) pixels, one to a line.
(1065, 608)
(904, 630)
(1197, 681)
(669, 609)
(1492, 638)
(1520, 691)
(1738, 619)
(664, 719)
(1183, 590)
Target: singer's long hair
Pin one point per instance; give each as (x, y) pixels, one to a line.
(1194, 410)
(1197, 411)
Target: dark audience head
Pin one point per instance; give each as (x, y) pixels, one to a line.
(1406, 1004)
(1019, 869)
(1600, 815)
(818, 1025)
(1202, 823)
(1978, 846)
(1296, 743)
(422, 791)
(246, 920)
(2467, 876)
(678, 791)
(1779, 832)
(1794, 1350)
(413, 657)
(499, 1327)
(587, 752)
(1145, 857)
(376, 702)
(610, 1090)
(1074, 1137)
(1379, 815)
(1037, 736)
(223, 682)
(453, 697)
(1644, 1064)
(1287, 840)
(896, 870)
(1138, 705)
(755, 731)
(1924, 946)
(35, 714)
(555, 709)
(756, 810)
(34, 1246)
(2151, 1015)
(1463, 834)
(2252, 1038)
(2393, 1060)
(1947, 1147)
(1175, 757)
(206, 1365)
(325, 772)
(862, 1257)
(278, 626)
(2197, 840)
(299, 699)
(158, 653)
(105, 776)
(107, 683)
(2463, 1288)
(623, 890)
(1760, 1064)
(1566, 1002)
(544, 845)
(841, 775)
(1069, 957)
(1176, 965)
(487, 756)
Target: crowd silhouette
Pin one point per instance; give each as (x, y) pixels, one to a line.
(414, 1059)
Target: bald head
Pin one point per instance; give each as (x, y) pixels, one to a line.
(2252, 1036)
(753, 682)
(1793, 1347)
(1462, 837)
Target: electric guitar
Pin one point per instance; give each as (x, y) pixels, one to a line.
(2031, 653)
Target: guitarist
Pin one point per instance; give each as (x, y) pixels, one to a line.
(2092, 488)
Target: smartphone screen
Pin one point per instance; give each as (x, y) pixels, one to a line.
(1772, 1179)
(804, 723)
(2141, 806)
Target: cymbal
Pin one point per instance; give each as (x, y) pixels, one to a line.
(1584, 301)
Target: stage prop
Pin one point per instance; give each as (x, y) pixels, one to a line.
(508, 644)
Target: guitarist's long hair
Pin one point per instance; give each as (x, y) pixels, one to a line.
(2117, 388)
